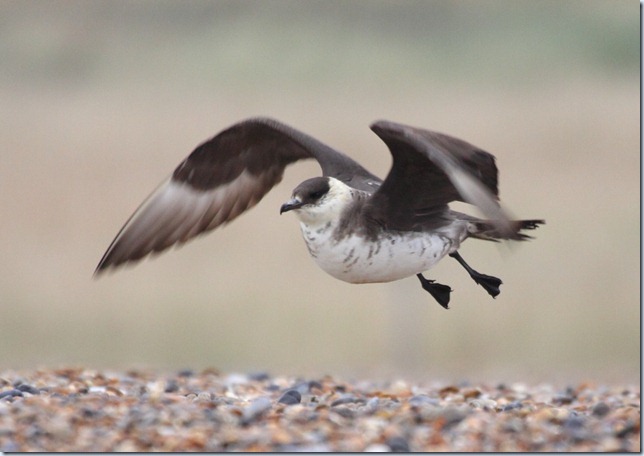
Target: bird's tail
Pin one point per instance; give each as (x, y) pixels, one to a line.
(489, 231)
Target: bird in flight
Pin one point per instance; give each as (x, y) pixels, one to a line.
(357, 227)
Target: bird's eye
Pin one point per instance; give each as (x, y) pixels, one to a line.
(316, 195)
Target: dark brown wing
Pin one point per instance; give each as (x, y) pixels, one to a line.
(221, 179)
(429, 171)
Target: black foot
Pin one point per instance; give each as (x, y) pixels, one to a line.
(439, 291)
(489, 283)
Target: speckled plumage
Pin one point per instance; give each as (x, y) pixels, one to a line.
(342, 244)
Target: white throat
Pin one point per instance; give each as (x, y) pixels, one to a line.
(329, 208)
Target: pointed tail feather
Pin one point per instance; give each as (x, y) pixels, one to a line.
(482, 229)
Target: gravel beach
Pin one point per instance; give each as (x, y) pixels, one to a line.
(141, 410)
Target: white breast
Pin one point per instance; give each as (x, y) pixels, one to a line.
(394, 256)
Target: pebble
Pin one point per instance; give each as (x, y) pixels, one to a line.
(290, 397)
(256, 408)
(373, 405)
(601, 409)
(11, 393)
(512, 406)
(398, 445)
(346, 399)
(203, 397)
(28, 389)
(171, 386)
(83, 410)
(484, 404)
(421, 400)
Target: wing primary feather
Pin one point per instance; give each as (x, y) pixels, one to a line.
(431, 170)
(471, 188)
(222, 178)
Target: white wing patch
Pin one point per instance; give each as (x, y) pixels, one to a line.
(177, 212)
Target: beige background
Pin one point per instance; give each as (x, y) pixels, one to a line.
(101, 100)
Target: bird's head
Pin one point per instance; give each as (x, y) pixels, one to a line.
(318, 200)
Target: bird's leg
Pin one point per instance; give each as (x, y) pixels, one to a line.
(491, 284)
(439, 291)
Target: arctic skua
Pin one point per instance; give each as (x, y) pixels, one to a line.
(357, 227)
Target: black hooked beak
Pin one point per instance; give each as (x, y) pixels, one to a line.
(291, 204)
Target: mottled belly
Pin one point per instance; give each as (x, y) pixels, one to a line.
(355, 259)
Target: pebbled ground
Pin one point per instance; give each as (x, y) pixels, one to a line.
(141, 410)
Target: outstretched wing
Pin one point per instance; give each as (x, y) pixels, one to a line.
(429, 171)
(219, 180)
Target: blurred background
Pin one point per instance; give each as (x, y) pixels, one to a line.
(102, 99)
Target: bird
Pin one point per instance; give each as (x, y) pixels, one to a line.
(357, 227)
